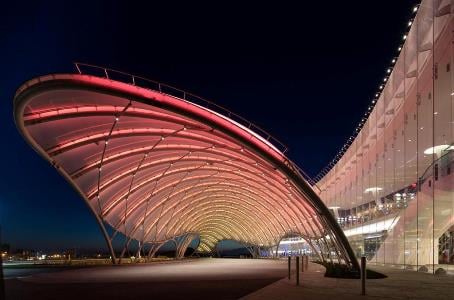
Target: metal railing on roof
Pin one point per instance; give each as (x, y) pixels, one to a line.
(326, 170)
(306, 176)
(88, 69)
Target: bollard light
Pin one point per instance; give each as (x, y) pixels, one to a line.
(363, 275)
(297, 270)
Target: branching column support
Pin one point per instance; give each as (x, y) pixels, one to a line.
(196, 247)
(183, 244)
(153, 250)
(108, 240)
(125, 248)
(139, 249)
(252, 250)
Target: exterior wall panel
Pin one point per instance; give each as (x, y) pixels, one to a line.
(394, 186)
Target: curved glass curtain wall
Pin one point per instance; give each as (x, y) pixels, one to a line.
(393, 190)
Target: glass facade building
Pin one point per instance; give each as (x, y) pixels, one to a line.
(392, 191)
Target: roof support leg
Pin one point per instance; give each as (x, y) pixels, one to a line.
(252, 250)
(107, 238)
(183, 244)
(195, 248)
(126, 246)
(154, 249)
(139, 250)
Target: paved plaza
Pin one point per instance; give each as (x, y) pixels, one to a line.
(211, 278)
(185, 279)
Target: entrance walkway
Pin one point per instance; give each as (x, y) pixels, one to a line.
(400, 284)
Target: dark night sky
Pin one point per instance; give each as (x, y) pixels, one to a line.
(305, 73)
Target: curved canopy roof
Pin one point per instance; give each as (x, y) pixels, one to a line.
(155, 167)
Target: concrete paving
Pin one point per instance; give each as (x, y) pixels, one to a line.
(187, 279)
(400, 284)
(221, 279)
